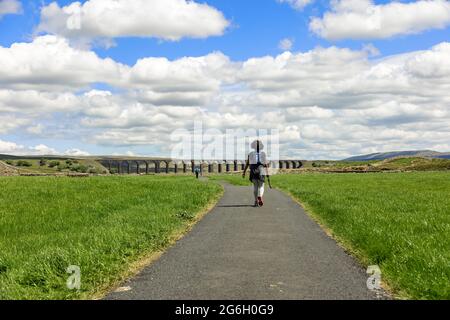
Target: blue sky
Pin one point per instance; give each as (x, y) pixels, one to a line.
(257, 27)
(255, 30)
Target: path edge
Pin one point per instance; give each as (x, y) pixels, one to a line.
(345, 245)
(150, 257)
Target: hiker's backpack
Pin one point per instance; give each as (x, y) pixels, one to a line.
(257, 171)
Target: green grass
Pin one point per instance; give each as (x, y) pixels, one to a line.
(344, 164)
(102, 224)
(337, 164)
(415, 164)
(394, 164)
(399, 221)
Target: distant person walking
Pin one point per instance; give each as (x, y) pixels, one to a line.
(257, 162)
(197, 171)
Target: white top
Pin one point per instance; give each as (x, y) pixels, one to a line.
(253, 157)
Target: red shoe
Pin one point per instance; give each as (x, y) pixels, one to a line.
(260, 201)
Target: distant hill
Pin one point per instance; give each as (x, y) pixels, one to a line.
(13, 157)
(395, 154)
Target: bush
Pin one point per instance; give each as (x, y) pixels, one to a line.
(42, 162)
(83, 169)
(10, 162)
(53, 164)
(79, 168)
(23, 163)
(62, 167)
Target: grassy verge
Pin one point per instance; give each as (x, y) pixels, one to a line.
(399, 221)
(104, 225)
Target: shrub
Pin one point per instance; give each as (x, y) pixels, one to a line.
(10, 162)
(83, 169)
(23, 163)
(79, 168)
(42, 162)
(53, 164)
(63, 167)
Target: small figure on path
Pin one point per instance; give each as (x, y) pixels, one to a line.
(257, 161)
(197, 172)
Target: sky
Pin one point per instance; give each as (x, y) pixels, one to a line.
(334, 78)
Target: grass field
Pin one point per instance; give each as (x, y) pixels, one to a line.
(400, 221)
(102, 224)
(393, 164)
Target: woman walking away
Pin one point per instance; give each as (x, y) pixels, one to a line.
(257, 161)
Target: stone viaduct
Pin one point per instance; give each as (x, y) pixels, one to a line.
(147, 166)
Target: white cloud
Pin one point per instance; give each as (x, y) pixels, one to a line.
(286, 44)
(184, 82)
(326, 102)
(431, 63)
(9, 147)
(34, 102)
(42, 150)
(164, 19)
(10, 122)
(297, 4)
(34, 74)
(50, 63)
(362, 19)
(10, 7)
(13, 148)
(76, 153)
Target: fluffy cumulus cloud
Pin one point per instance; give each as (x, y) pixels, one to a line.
(186, 81)
(50, 63)
(7, 147)
(10, 7)
(326, 103)
(34, 72)
(163, 19)
(76, 153)
(363, 19)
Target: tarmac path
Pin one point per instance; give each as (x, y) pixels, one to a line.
(238, 252)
